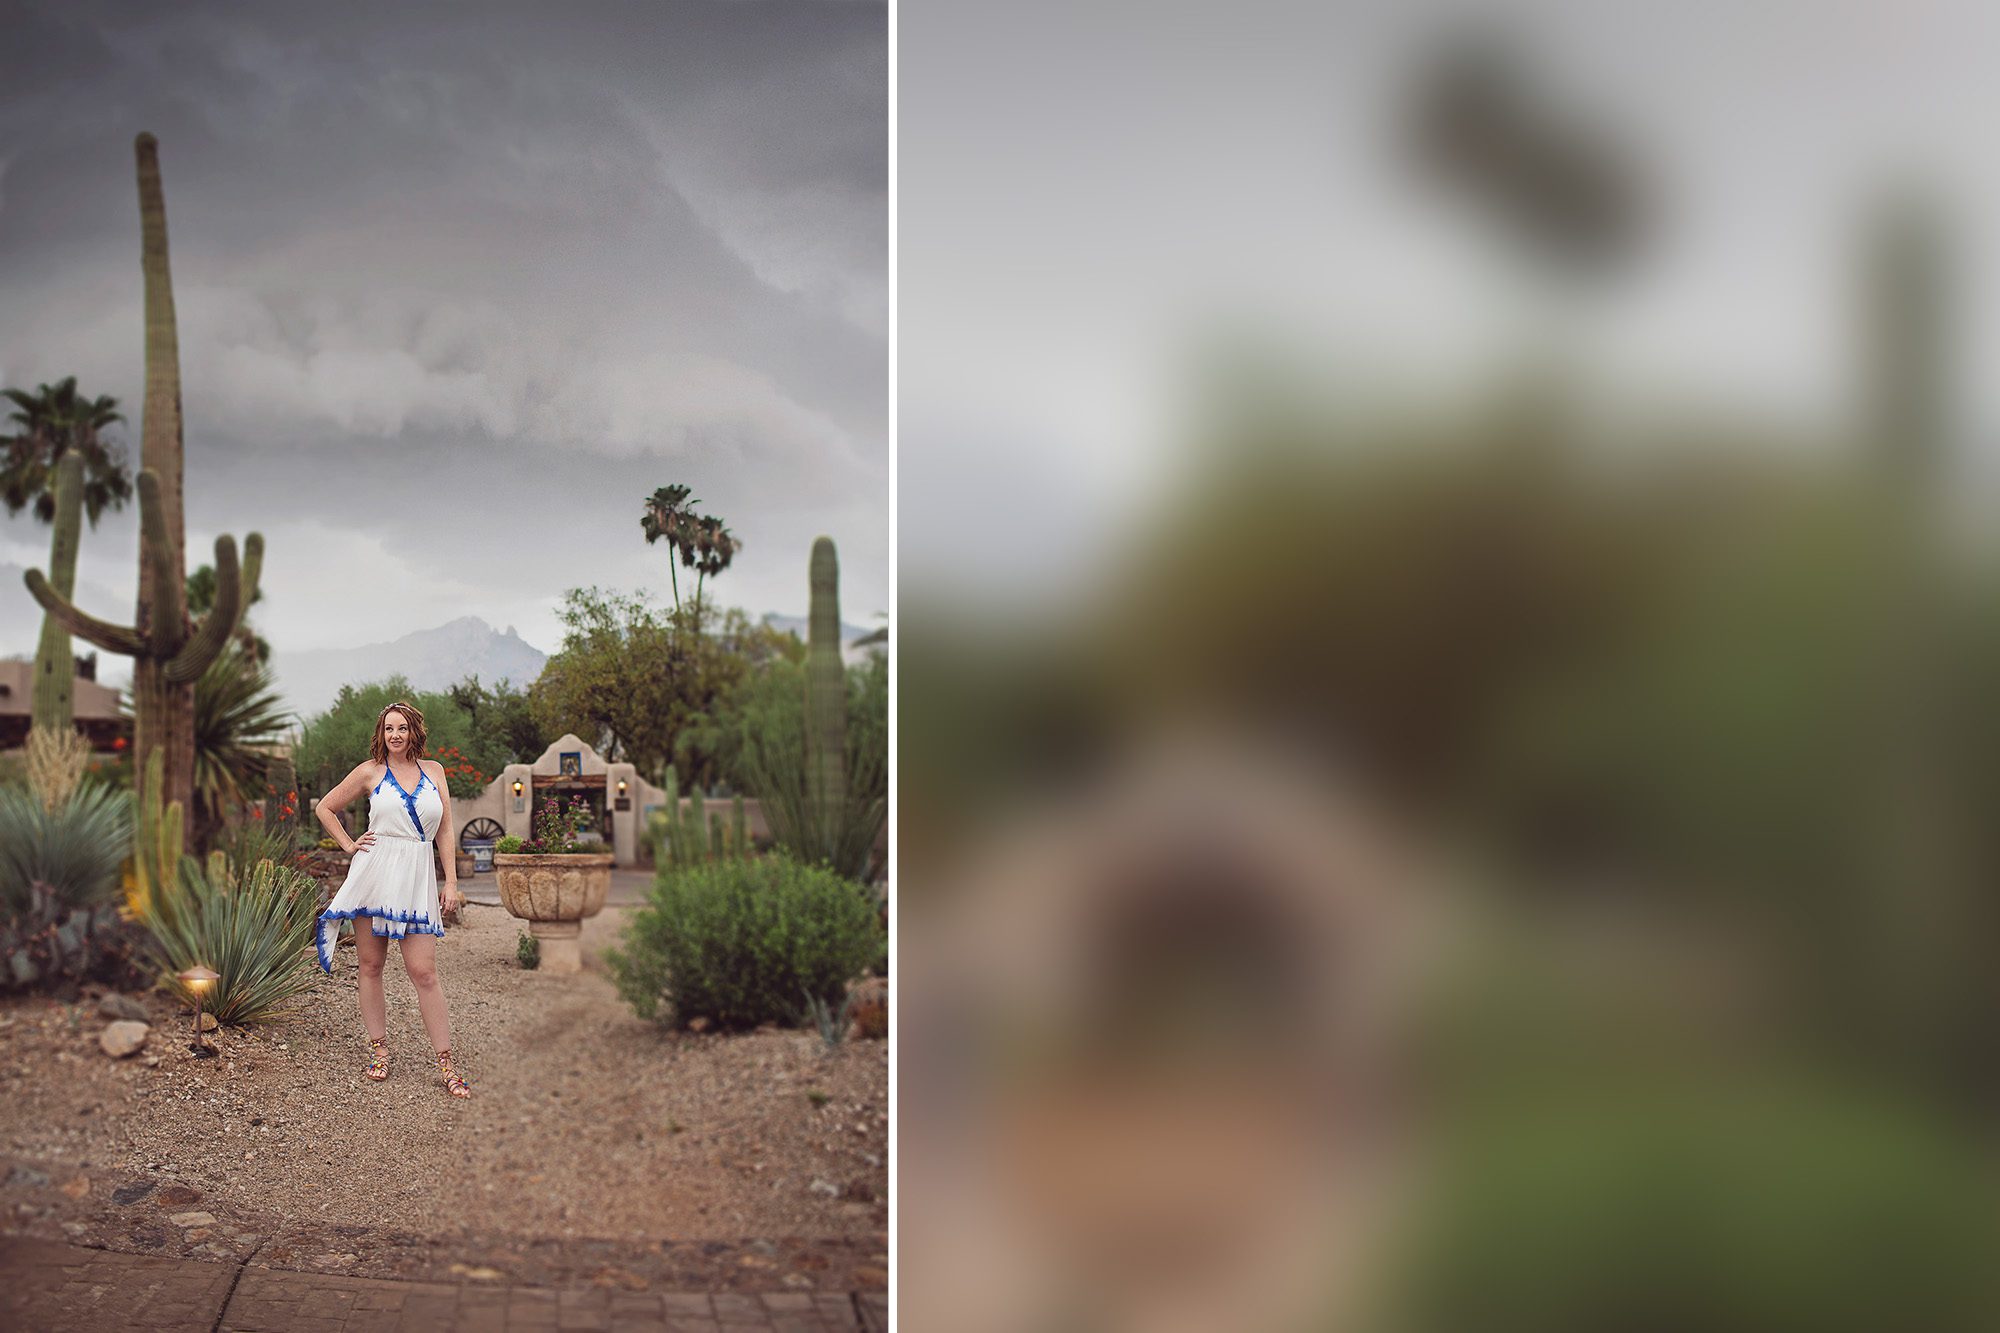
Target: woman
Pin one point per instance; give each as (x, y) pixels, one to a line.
(391, 880)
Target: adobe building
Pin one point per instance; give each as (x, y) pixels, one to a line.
(95, 706)
(620, 799)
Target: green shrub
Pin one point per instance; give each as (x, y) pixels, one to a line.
(508, 846)
(528, 951)
(255, 928)
(744, 942)
(1728, 1209)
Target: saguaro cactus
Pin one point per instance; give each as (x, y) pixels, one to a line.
(826, 693)
(168, 651)
(55, 667)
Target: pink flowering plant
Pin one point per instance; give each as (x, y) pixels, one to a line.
(557, 827)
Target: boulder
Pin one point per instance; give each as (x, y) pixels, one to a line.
(115, 1005)
(122, 1038)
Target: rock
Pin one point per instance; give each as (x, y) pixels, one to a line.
(75, 1228)
(208, 1023)
(478, 1273)
(826, 1187)
(123, 1038)
(698, 1024)
(115, 1005)
(76, 1188)
(860, 1191)
(177, 1196)
(132, 1193)
(193, 1219)
(871, 1009)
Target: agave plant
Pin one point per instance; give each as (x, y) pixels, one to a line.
(252, 925)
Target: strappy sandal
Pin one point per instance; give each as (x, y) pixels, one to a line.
(377, 1067)
(452, 1082)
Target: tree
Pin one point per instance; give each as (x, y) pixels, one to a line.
(630, 682)
(503, 720)
(701, 542)
(53, 421)
(708, 747)
(332, 742)
(666, 510)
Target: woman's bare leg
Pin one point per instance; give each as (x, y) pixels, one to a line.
(371, 950)
(420, 962)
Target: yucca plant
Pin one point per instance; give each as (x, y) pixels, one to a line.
(253, 925)
(59, 879)
(77, 849)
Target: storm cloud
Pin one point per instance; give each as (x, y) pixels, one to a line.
(458, 286)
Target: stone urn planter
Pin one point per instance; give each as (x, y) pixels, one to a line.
(553, 894)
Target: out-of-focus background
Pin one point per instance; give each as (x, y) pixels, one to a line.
(1448, 647)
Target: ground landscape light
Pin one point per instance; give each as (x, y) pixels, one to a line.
(198, 979)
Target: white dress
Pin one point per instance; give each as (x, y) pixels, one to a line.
(392, 880)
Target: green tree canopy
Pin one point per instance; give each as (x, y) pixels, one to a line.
(630, 677)
(336, 740)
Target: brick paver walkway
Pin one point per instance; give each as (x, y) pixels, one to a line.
(50, 1285)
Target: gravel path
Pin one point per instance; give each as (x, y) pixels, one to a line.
(585, 1121)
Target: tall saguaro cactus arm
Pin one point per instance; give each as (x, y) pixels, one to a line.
(110, 637)
(233, 589)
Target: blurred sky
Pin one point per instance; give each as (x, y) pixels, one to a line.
(1089, 193)
(458, 287)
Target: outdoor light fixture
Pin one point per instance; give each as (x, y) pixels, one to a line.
(198, 979)
(621, 786)
(517, 787)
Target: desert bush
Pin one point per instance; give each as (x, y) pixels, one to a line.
(1726, 1209)
(744, 942)
(252, 925)
(527, 951)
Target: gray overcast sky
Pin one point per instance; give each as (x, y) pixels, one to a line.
(458, 286)
(1108, 183)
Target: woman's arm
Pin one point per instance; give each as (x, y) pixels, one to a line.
(331, 804)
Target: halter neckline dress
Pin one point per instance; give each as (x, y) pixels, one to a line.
(392, 881)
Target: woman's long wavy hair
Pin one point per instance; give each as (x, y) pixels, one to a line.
(379, 747)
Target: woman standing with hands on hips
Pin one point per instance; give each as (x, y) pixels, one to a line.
(391, 882)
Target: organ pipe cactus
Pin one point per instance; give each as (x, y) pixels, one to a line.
(826, 693)
(167, 649)
(55, 667)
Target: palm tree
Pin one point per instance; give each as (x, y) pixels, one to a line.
(52, 421)
(713, 546)
(668, 510)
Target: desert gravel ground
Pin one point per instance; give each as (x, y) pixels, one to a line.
(585, 1121)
